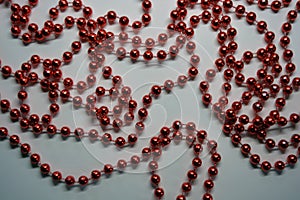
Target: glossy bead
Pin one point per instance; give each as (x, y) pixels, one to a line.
(146, 153)
(292, 159)
(51, 130)
(290, 67)
(266, 166)
(134, 54)
(156, 153)
(132, 139)
(254, 159)
(240, 10)
(87, 12)
(197, 162)
(247, 56)
(212, 171)
(261, 26)
(146, 5)
(24, 124)
(287, 54)
(56, 176)
(262, 4)
(275, 6)
(235, 139)
(15, 31)
(77, 4)
(111, 16)
(155, 179)
(35, 159)
(34, 119)
(294, 118)
(207, 196)
(101, 21)
(194, 20)
(120, 142)
(180, 197)
(245, 148)
(250, 17)
(215, 157)
(159, 193)
(14, 140)
(156, 90)
(283, 145)
(108, 169)
(63, 5)
(134, 160)
(186, 187)
(279, 165)
(148, 55)
(284, 41)
(14, 114)
(292, 15)
(197, 149)
(54, 108)
(274, 114)
(149, 43)
(121, 53)
(70, 180)
(146, 19)
(45, 169)
(162, 39)
(121, 165)
(203, 86)
(161, 55)
(182, 80)
(282, 121)
(53, 13)
(128, 117)
(26, 38)
(6, 71)
(257, 107)
(83, 180)
(147, 100)
(192, 174)
(270, 143)
(136, 26)
(208, 184)
(173, 51)
(215, 24)
(195, 60)
(206, 99)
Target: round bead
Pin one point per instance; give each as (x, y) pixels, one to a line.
(35, 159)
(186, 187)
(56, 176)
(108, 169)
(70, 180)
(45, 169)
(83, 180)
(121, 165)
(292, 159)
(155, 179)
(159, 192)
(14, 140)
(197, 162)
(208, 184)
(25, 149)
(207, 196)
(266, 166)
(279, 165)
(120, 142)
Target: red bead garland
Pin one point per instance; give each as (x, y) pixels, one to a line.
(263, 86)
